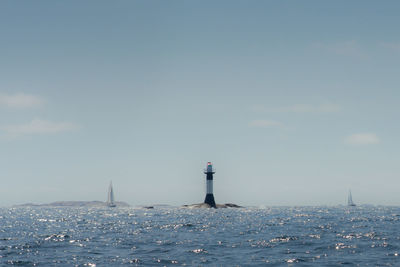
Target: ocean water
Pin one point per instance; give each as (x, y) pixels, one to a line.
(276, 236)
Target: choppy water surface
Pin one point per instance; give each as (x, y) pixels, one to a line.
(304, 236)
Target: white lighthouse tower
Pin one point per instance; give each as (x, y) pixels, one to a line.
(209, 171)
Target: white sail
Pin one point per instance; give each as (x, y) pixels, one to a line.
(350, 200)
(110, 199)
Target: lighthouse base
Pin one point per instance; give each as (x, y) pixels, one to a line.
(210, 200)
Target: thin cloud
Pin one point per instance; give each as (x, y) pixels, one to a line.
(300, 108)
(38, 126)
(362, 139)
(345, 48)
(20, 100)
(265, 124)
(391, 46)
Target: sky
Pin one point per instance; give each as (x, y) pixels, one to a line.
(294, 102)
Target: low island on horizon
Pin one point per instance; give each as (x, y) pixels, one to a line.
(121, 204)
(94, 203)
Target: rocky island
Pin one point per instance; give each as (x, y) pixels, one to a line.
(217, 206)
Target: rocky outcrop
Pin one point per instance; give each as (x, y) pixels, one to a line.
(207, 206)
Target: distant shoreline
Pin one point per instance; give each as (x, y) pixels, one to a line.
(94, 203)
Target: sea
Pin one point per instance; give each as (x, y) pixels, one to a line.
(174, 236)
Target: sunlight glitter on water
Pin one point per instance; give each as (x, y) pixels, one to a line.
(173, 236)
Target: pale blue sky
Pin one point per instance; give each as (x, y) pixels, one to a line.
(294, 102)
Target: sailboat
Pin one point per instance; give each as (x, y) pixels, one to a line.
(350, 202)
(110, 199)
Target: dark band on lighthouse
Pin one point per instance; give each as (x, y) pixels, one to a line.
(209, 188)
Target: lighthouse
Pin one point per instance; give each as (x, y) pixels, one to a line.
(209, 171)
